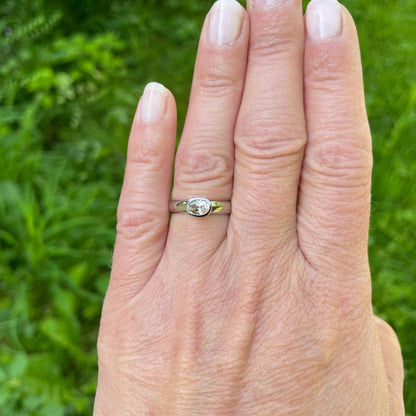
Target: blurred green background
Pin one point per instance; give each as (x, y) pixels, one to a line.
(71, 73)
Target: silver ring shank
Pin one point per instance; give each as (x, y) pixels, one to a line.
(180, 206)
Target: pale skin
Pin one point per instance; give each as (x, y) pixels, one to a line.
(266, 311)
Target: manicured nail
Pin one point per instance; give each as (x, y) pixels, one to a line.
(153, 103)
(323, 19)
(225, 22)
(265, 4)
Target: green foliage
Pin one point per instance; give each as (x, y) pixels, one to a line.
(387, 38)
(62, 102)
(70, 77)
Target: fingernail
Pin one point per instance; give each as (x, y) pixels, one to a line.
(265, 4)
(225, 22)
(323, 19)
(153, 103)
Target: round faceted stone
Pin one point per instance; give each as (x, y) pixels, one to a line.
(198, 207)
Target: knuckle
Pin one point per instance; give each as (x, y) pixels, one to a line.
(343, 162)
(388, 333)
(217, 78)
(277, 33)
(274, 43)
(332, 334)
(322, 348)
(202, 166)
(145, 152)
(138, 223)
(264, 140)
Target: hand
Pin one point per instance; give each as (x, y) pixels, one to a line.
(266, 311)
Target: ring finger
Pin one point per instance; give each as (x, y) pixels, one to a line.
(205, 158)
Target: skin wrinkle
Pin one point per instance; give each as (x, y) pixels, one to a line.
(215, 81)
(270, 148)
(198, 167)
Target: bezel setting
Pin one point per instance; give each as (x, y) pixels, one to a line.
(199, 207)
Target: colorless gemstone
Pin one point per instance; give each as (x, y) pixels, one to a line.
(198, 207)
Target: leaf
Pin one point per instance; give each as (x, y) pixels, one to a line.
(18, 365)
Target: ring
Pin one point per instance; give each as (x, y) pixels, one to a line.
(200, 207)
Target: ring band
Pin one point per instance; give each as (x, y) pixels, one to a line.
(200, 207)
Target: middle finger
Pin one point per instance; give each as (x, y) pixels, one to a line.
(270, 133)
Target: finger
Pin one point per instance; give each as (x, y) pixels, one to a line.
(270, 132)
(205, 158)
(393, 363)
(334, 197)
(143, 215)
